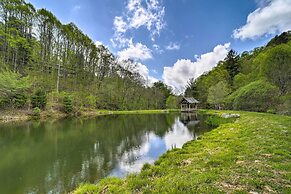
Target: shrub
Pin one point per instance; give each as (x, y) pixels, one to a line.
(146, 166)
(36, 112)
(4, 102)
(90, 101)
(39, 99)
(67, 104)
(256, 96)
(171, 102)
(19, 100)
(285, 105)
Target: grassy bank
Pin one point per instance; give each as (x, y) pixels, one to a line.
(251, 154)
(24, 115)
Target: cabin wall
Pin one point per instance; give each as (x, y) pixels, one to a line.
(188, 107)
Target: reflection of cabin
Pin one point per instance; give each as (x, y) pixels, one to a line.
(189, 104)
(189, 118)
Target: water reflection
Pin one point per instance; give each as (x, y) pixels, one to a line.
(54, 157)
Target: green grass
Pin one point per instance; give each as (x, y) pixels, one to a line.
(105, 112)
(253, 153)
(24, 115)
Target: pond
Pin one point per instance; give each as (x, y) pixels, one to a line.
(56, 156)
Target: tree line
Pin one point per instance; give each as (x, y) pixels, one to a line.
(259, 80)
(40, 55)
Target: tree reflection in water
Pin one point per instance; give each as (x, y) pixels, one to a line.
(56, 156)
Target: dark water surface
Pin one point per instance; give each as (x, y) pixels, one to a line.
(55, 157)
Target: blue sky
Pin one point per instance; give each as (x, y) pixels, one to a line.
(174, 40)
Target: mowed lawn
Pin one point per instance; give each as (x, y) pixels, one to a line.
(250, 155)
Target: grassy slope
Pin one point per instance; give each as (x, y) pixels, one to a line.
(251, 154)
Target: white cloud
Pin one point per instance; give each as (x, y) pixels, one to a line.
(144, 72)
(183, 70)
(173, 46)
(139, 13)
(119, 24)
(139, 68)
(136, 51)
(273, 17)
(158, 49)
(98, 43)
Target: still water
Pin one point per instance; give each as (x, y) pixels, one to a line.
(55, 157)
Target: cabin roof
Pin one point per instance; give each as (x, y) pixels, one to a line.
(190, 100)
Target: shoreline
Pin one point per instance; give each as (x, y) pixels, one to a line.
(238, 157)
(25, 115)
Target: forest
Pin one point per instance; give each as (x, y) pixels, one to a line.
(47, 65)
(258, 80)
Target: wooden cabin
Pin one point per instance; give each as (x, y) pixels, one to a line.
(189, 104)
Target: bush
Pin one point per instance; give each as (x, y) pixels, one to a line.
(19, 100)
(36, 112)
(256, 96)
(171, 102)
(39, 99)
(90, 101)
(67, 104)
(4, 102)
(285, 105)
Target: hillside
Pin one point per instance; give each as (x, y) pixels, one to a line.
(259, 80)
(48, 65)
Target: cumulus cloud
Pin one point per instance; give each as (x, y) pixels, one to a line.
(119, 24)
(178, 75)
(144, 72)
(136, 51)
(173, 46)
(139, 13)
(141, 69)
(273, 17)
(98, 43)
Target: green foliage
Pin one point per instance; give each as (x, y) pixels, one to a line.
(240, 80)
(271, 63)
(231, 64)
(172, 102)
(61, 58)
(164, 90)
(281, 39)
(67, 104)
(11, 82)
(19, 100)
(285, 104)
(256, 96)
(277, 67)
(90, 101)
(36, 112)
(12, 89)
(39, 99)
(217, 93)
(199, 88)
